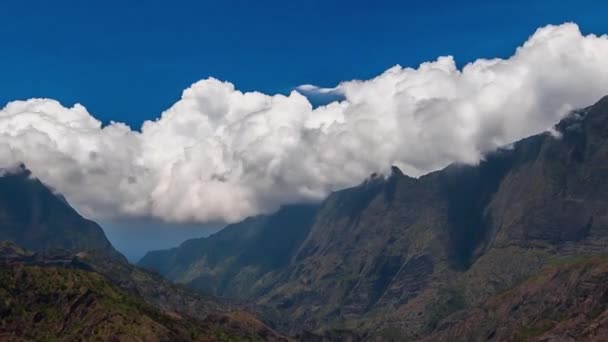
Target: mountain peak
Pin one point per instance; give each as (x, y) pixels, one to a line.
(396, 171)
(603, 102)
(35, 217)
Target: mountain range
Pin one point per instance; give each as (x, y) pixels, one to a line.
(513, 248)
(404, 258)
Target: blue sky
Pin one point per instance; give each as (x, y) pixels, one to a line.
(128, 61)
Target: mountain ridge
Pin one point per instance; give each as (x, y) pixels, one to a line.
(400, 253)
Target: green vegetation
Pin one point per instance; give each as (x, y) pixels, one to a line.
(42, 303)
(56, 304)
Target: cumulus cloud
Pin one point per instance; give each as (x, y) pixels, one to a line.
(219, 154)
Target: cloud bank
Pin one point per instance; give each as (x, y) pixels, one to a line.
(219, 154)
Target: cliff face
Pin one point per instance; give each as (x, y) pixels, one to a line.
(397, 255)
(34, 217)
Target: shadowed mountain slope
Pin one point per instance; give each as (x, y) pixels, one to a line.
(38, 219)
(227, 262)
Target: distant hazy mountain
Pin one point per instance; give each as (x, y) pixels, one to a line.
(38, 219)
(228, 262)
(401, 258)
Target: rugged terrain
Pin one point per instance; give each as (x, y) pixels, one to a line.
(565, 302)
(396, 256)
(509, 249)
(61, 296)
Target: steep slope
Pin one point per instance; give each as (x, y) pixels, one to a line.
(62, 297)
(226, 263)
(567, 302)
(34, 217)
(394, 256)
(448, 240)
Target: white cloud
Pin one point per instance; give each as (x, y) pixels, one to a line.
(220, 155)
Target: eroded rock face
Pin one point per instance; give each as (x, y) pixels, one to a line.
(395, 256)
